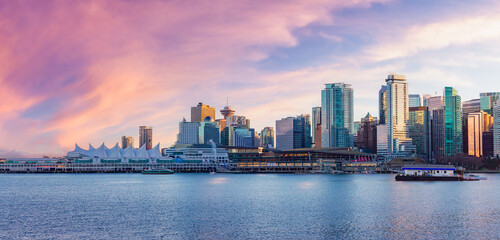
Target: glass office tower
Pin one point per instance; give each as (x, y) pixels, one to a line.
(337, 115)
(452, 122)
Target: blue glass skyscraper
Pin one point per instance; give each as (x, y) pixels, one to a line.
(337, 115)
(452, 122)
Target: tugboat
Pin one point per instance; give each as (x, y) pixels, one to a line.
(157, 172)
(472, 177)
(428, 173)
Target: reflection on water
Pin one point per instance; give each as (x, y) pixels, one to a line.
(218, 180)
(306, 185)
(227, 206)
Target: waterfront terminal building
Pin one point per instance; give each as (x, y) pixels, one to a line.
(199, 158)
(116, 159)
(304, 160)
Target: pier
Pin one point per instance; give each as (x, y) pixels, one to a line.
(104, 168)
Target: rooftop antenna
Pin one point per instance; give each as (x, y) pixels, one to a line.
(227, 101)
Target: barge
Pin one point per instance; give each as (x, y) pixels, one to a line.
(428, 173)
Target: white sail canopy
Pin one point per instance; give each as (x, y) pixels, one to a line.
(128, 152)
(155, 152)
(116, 152)
(142, 152)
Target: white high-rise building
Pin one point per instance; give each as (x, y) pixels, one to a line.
(188, 132)
(397, 116)
(496, 129)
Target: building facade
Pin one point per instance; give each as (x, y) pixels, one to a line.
(337, 115)
(222, 123)
(188, 132)
(127, 141)
(478, 124)
(146, 137)
(488, 101)
(471, 106)
(237, 121)
(437, 130)
(453, 122)
(435, 102)
(475, 129)
(488, 144)
(415, 100)
(367, 134)
(496, 129)
(419, 130)
(382, 104)
(243, 137)
(256, 139)
(382, 141)
(302, 131)
(208, 133)
(397, 117)
(267, 137)
(293, 132)
(425, 100)
(316, 126)
(202, 112)
(284, 133)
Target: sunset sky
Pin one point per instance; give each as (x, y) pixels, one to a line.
(92, 71)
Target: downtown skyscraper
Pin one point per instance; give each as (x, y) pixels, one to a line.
(293, 132)
(419, 128)
(496, 129)
(337, 115)
(452, 122)
(478, 123)
(202, 113)
(367, 134)
(382, 104)
(399, 143)
(415, 100)
(267, 137)
(127, 141)
(488, 100)
(146, 137)
(316, 127)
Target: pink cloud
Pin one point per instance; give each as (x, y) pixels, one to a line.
(114, 65)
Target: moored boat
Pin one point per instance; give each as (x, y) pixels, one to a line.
(157, 171)
(427, 178)
(428, 173)
(472, 177)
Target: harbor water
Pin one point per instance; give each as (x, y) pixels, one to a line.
(245, 206)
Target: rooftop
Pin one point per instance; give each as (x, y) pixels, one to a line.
(393, 76)
(429, 166)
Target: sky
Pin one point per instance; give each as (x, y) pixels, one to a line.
(93, 71)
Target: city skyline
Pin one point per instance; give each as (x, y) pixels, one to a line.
(59, 89)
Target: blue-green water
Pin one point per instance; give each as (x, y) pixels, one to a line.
(245, 206)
